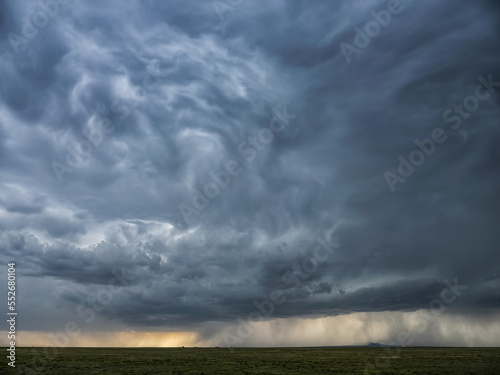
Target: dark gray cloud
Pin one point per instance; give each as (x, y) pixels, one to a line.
(136, 105)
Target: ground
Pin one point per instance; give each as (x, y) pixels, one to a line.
(122, 361)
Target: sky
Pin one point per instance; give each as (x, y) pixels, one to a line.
(251, 173)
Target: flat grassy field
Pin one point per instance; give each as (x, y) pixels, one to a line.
(120, 361)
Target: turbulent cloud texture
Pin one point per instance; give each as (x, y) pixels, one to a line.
(119, 121)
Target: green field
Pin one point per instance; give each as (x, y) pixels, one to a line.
(69, 361)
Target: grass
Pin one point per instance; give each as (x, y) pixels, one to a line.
(122, 361)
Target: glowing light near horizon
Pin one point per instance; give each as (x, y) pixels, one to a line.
(352, 329)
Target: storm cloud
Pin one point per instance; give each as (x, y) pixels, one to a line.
(205, 149)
